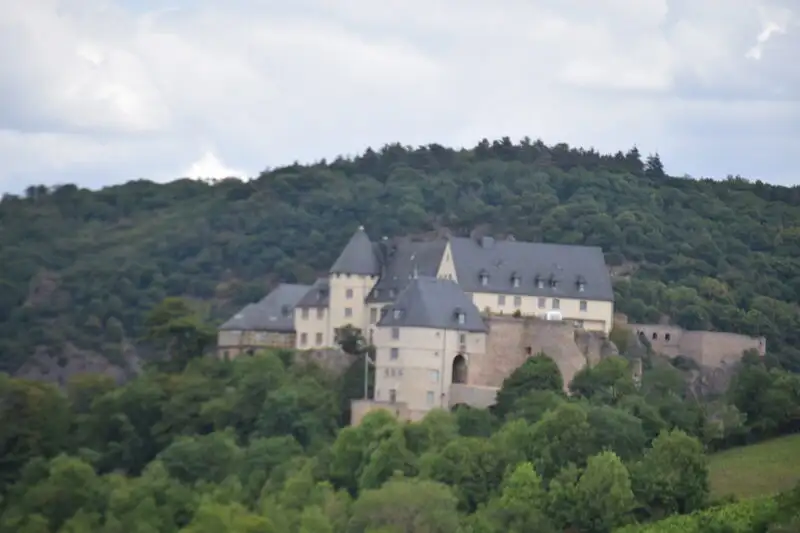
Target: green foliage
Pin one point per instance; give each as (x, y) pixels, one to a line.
(255, 445)
(84, 266)
(748, 516)
(760, 469)
(536, 373)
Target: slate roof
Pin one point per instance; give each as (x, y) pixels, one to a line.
(567, 265)
(428, 302)
(406, 258)
(317, 296)
(273, 313)
(358, 257)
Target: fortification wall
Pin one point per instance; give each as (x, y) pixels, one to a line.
(512, 340)
(708, 348)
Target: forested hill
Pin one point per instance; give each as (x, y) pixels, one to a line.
(81, 268)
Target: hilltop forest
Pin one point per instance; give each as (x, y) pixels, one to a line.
(80, 268)
(259, 444)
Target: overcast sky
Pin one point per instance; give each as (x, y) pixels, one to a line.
(97, 92)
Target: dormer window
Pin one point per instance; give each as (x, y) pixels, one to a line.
(397, 314)
(461, 318)
(391, 293)
(580, 283)
(483, 276)
(552, 282)
(515, 281)
(539, 283)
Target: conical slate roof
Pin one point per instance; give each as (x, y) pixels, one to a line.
(358, 257)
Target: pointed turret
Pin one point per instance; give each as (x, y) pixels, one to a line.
(358, 257)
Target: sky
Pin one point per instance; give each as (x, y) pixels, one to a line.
(99, 92)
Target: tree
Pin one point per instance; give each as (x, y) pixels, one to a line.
(536, 373)
(607, 381)
(405, 505)
(522, 503)
(175, 327)
(604, 494)
(672, 477)
(653, 167)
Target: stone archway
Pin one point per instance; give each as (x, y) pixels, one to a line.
(459, 369)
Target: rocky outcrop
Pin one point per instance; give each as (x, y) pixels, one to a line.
(58, 367)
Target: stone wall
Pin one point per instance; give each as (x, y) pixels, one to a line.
(511, 341)
(712, 349)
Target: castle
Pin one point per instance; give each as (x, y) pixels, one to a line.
(427, 307)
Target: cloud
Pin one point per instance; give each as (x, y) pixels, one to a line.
(209, 166)
(101, 91)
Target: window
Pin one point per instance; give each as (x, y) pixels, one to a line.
(484, 279)
(540, 284)
(373, 315)
(303, 339)
(434, 376)
(515, 281)
(395, 333)
(304, 313)
(391, 293)
(431, 397)
(348, 312)
(556, 303)
(462, 318)
(542, 303)
(394, 354)
(392, 396)
(584, 305)
(581, 286)
(348, 294)
(501, 299)
(462, 338)
(383, 312)
(397, 314)
(517, 301)
(319, 339)
(667, 337)
(320, 313)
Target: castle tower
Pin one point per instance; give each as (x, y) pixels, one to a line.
(352, 277)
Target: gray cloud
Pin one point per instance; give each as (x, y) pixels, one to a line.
(100, 91)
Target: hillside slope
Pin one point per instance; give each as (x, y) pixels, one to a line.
(762, 469)
(78, 269)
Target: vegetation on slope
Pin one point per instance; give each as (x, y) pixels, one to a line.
(256, 446)
(765, 468)
(82, 267)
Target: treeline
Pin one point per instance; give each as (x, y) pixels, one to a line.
(257, 446)
(81, 267)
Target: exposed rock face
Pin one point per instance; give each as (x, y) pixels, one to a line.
(59, 367)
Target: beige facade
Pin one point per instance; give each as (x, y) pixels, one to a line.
(415, 366)
(591, 315)
(233, 343)
(312, 328)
